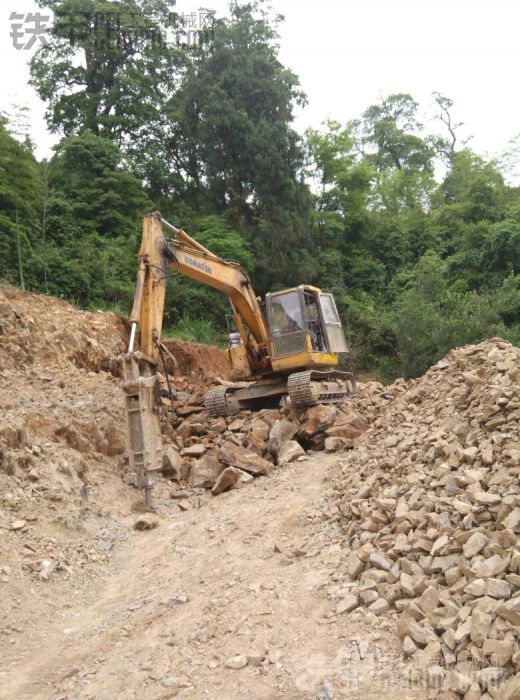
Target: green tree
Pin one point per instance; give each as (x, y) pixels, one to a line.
(430, 317)
(445, 144)
(94, 210)
(390, 130)
(231, 139)
(342, 181)
(90, 173)
(105, 66)
(189, 301)
(20, 196)
(418, 263)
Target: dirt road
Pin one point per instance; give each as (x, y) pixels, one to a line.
(231, 600)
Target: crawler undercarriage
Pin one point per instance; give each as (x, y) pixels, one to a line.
(303, 388)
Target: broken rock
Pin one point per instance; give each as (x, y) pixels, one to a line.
(205, 471)
(196, 450)
(457, 682)
(282, 431)
(236, 662)
(146, 521)
(475, 544)
(336, 444)
(290, 451)
(171, 464)
(316, 420)
(347, 604)
(228, 479)
(480, 626)
(236, 456)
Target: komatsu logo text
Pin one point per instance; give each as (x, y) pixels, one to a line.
(196, 263)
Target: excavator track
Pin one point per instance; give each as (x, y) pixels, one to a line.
(312, 386)
(216, 403)
(301, 390)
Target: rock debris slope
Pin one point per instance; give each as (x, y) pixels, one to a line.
(65, 484)
(429, 499)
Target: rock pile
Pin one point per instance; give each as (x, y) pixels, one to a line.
(429, 499)
(223, 453)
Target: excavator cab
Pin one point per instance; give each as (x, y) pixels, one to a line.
(305, 328)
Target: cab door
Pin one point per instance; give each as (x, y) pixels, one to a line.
(332, 324)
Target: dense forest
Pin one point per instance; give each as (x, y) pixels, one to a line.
(417, 236)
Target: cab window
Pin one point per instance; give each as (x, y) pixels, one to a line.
(286, 313)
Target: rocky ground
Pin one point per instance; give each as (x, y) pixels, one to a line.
(362, 550)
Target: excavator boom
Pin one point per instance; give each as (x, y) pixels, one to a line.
(157, 257)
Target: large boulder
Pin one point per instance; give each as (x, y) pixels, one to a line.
(236, 456)
(259, 428)
(227, 480)
(351, 418)
(218, 425)
(194, 424)
(205, 471)
(349, 425)
(172, 464)
(196, 450)
(316, 420)
(290, 452)
(256, 444)
(282, 431)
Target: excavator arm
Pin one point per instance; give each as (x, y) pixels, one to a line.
(157, 258)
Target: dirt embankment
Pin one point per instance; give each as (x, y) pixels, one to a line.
(193, 360)
(65, 489)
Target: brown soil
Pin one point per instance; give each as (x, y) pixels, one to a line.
(207, 585)
(195, 360)
(91, 608)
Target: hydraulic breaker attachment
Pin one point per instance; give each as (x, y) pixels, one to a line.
(143, 426)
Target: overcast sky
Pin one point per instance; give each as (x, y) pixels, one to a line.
(346, 53)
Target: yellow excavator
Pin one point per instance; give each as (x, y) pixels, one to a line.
(291, 349)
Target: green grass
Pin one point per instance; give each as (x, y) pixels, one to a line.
(196, 330)
(115, 307)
